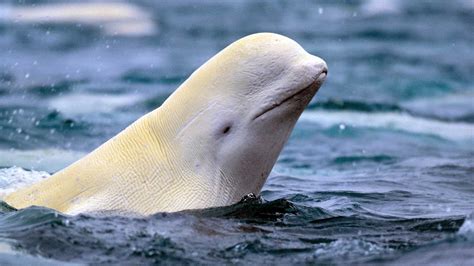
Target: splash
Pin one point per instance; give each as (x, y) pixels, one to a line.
(15, 177)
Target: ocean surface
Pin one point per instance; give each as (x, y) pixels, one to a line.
(379, 169)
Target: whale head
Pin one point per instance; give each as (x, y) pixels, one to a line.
(240, 108)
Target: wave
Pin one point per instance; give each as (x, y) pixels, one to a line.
(452, 108)
(392, 121)
(289, 229)
(337, 226)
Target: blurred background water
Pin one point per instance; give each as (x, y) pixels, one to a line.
(379, 169)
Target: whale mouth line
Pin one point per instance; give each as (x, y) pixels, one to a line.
(299, 92)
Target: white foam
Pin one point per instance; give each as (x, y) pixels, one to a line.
(15, 177)
(84, 103)
(49, 160)
(392, 120)
(467, 228)
(7, 248)
(348, 247)
(114, 18)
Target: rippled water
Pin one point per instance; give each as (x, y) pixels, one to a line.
(380, 167)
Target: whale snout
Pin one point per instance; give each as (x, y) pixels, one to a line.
(325, 70)
(318, 67)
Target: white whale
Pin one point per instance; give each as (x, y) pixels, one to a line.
(213, 141)
(114, 18)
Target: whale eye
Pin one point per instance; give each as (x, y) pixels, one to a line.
(226, 130)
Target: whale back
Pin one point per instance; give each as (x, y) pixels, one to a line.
(112, 177)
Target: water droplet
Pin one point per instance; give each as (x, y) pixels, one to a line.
(320, 10)
(342, 126)
(27, 75)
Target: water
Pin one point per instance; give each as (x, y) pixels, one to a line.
(379, 169)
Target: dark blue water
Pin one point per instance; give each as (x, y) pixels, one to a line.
(379, 169)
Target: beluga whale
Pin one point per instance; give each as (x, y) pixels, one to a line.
(213, 141)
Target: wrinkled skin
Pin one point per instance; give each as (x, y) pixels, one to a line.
(214, 140)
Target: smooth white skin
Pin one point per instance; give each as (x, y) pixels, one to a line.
(227, 144)
(213, 141)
